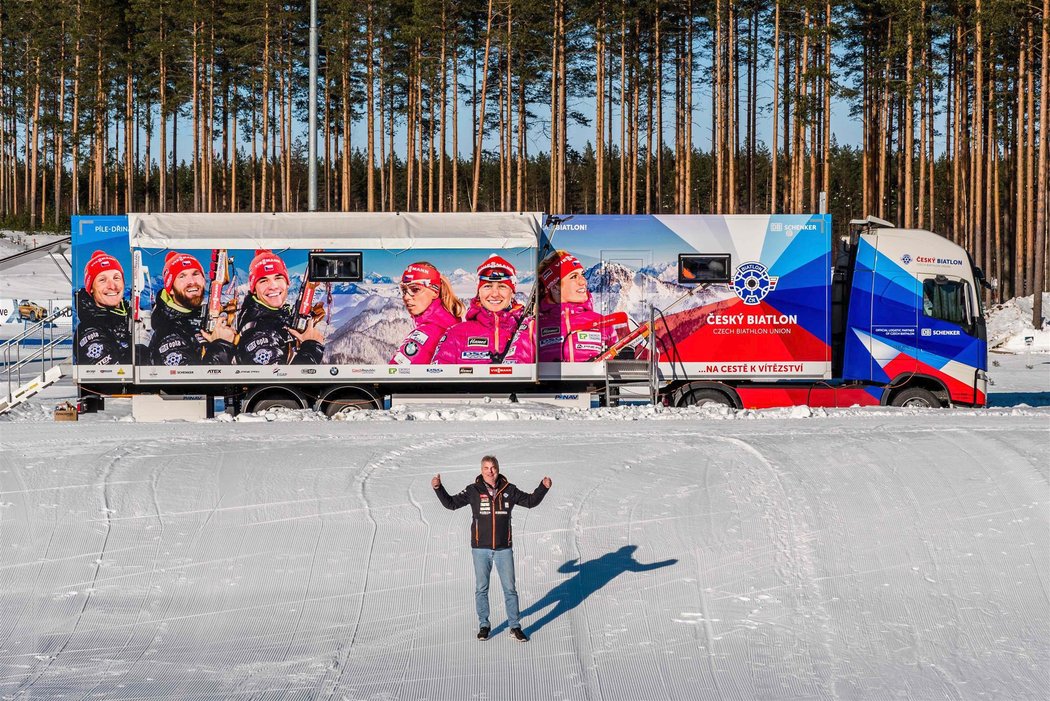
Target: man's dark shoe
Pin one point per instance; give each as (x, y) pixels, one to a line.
(483, 633)
(519, 635)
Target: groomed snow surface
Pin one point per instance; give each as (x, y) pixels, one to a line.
(700, 554)
(795, 553)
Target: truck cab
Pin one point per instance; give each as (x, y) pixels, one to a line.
(914, 321)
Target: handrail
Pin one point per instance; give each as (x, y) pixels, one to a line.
(20, 257)
(48, 342)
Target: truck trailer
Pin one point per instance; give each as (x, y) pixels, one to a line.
(342, 311)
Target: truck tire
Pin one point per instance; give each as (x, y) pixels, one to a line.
(707, 397)
(916, 398)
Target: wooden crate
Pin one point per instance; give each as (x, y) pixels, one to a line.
(65, 412)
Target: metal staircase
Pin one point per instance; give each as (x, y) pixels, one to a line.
(625, 379)
(26, 372)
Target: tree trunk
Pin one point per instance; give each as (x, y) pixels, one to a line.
(1040, 224)
(479, 125)
(599, 117)
(33, 151)
(264, 103)
(909, 132)
(455, 125)
(443, 110)
(776, 106)
(370, 127)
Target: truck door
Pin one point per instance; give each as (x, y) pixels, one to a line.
(950, 329)
(894, 321)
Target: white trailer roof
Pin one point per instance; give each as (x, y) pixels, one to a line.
(392, 231)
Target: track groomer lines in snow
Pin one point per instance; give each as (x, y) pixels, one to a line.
(491, 498)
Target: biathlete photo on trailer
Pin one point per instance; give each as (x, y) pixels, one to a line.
(103, 334)
(570, 330)
(264, 322)
(178, 335)
(434, 308)
(497, 329)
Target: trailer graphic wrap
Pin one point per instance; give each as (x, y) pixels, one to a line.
(103, 307)
(368, 326)
(894, 306)
(769, 320)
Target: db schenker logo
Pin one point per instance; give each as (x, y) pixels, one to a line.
(752, 282)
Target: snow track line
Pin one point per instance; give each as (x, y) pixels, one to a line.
(29, 600)
(343, 653)
(709, 633)
(147, 592)
(420, 600)
(106, 473)
(794, 552)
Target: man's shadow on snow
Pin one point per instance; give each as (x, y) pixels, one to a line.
(590, 577)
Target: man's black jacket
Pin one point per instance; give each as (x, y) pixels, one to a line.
(264, 337)
(491, 526)
(177, 339)
(103, 335)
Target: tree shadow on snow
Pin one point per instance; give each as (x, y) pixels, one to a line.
(589, 577)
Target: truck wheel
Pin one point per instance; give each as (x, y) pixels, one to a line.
(916, 398)
(707, 397)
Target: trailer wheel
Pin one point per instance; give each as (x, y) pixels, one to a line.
(271, 397)
(276, 403)
(707, 397)
(345, 401)
(916, 398)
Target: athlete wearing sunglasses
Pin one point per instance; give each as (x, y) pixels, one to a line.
(433, 306)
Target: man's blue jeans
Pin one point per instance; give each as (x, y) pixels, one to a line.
(504, 561)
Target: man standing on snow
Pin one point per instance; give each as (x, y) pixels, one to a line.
(491, 497)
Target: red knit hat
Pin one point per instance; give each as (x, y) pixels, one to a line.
(497, 269)
(100, 261)
(422, 274)
(175, 263)
(562, 263)
(265, 263)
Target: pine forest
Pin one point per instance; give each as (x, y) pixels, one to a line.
(600, 106)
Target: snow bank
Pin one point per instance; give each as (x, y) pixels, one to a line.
(1010, 323)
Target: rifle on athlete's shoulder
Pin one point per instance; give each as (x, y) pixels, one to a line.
(305, 308)
(218, 277)
(642, 331)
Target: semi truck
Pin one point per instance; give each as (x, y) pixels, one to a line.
(324, 310)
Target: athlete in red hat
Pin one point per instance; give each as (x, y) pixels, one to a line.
(103, 335)
(178, 338)
(493, 330)
(434, 307)
(570, 331)
(264, 322)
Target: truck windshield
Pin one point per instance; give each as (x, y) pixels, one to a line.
(946, 300)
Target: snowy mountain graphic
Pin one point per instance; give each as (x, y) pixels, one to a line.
(616, 287)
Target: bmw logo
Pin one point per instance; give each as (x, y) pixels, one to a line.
(334, 371)
(752, 282)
